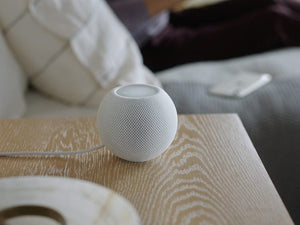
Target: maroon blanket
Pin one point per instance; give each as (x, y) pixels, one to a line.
(228, 29)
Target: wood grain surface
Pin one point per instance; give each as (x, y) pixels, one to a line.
(211, 174)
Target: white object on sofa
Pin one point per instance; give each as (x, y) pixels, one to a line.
(73, 50)
(12, 84)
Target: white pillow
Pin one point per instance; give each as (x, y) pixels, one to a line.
(74, 50)
(12, 84)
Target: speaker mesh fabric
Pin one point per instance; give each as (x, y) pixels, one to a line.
(137, 129)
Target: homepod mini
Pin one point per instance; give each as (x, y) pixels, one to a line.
(137, 122)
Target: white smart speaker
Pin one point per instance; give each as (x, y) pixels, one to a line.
(137, 122)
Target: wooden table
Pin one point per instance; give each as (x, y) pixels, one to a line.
(211, 174)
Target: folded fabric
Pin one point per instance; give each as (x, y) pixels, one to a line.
(228, 29)
(73, 50)
(12, 84)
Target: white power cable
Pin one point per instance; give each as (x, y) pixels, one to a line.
(8, 154)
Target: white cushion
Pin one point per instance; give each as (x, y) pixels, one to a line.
(74, 50)
(12, 84)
